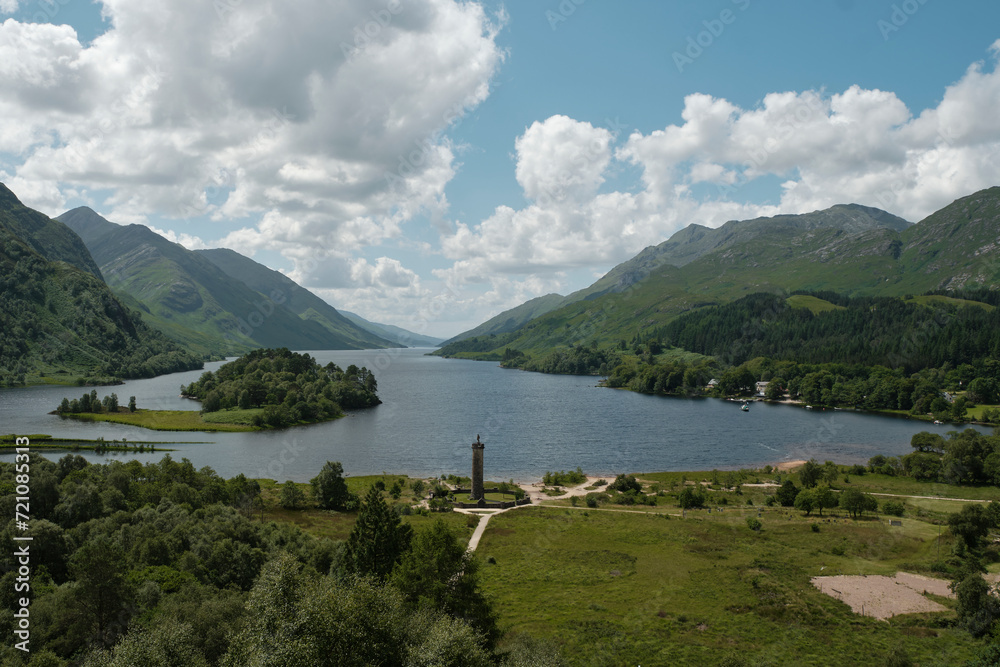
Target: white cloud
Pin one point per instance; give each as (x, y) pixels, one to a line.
(859, 145)
(8, 6)
(324, 121)
(189, 241)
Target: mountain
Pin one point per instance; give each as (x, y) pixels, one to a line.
(296, 298)
(391, 332)
(510, 320)
(849, 249)
(50, 239)
(688, 245)
(59, 321)
(187, 296)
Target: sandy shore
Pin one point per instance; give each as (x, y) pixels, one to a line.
(785, 466)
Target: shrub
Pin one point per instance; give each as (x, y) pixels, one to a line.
(690, 498)
(753, 523)
(893, 508)
(624, 482)
(561, 478)
(591, 501)
(815, 527)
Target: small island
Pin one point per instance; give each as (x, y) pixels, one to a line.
(264, 389)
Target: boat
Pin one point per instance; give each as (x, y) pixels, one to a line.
(745, 407)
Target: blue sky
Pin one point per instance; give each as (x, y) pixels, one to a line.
(430, 163)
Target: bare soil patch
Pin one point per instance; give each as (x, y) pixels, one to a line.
(883, 597)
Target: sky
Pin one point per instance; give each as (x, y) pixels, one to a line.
(431, 163)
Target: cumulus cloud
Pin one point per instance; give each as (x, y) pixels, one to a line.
(322, 124)
(858, 145)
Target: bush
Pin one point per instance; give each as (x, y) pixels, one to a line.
(753, 523)
(561, 478)
(591, 501)
(892, 508)
(624, 482)
(691, 498)
(815, 527)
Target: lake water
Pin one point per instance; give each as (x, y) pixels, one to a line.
(434, 408)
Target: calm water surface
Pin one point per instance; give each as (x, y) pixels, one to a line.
(433, 409)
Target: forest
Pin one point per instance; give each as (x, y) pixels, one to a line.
(59, 317)
(285, 387)
(909, 333)
(922, 357)
(160, 563)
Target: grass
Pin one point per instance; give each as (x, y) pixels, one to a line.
(180, 420)
(234, 416)
(622, 588)
(906, 486)
(976, 413)
(162, 420)
(937, 299)
(814, 304)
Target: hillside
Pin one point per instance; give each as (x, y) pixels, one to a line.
(847, 249)
(296, 298)
(52, 240)
(510, 320)
(183, 290)
(60, 322)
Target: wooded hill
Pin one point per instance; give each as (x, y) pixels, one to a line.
(59, 321)
(290, 387)
(851, 250)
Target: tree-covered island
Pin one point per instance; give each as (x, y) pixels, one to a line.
(267, 388)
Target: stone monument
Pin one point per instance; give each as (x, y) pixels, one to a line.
(477, 469)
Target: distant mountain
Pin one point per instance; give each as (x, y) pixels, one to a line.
(848, 249)
(296, 298)
(396, 334)
(184, 292)
(510, 320)
(58, 319)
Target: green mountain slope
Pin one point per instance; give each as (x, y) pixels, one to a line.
(183, 288)
(689, 245)
(52, 240)
(510, 320)
(393, 333)
(848, 249)
(293, 296)
(59, 322)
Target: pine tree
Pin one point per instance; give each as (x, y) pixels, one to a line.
(378, 540)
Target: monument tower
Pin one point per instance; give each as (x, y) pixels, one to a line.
(477, 469)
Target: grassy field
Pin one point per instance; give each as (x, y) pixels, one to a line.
(617, 588)
(932, 299)
(179, 420)
(162, 420)
(234, 416)
(814, 304)
(640, 585)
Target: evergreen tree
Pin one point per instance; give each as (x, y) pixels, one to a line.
(378, 540)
